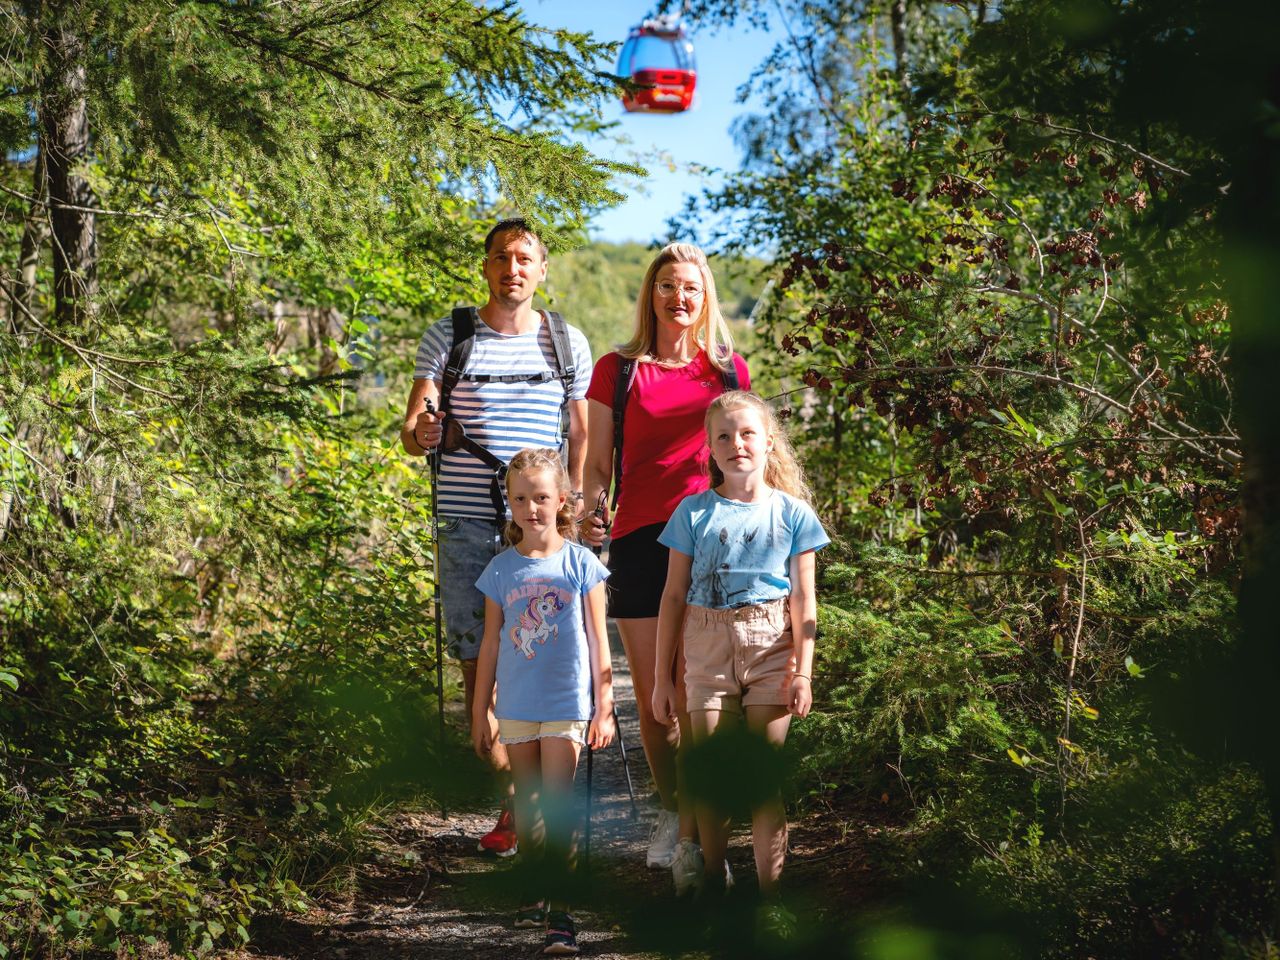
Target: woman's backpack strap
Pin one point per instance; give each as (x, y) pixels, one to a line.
(621, 387)
(730, 375)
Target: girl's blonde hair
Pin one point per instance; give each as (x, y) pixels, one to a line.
(709, 330)
(542, 458)
(782, 471)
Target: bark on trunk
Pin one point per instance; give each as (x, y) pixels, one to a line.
(64, 122)
(898, 23)
(35, 231)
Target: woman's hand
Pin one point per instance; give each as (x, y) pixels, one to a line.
(484, 734)
(592, 528)
(603, 727)
(801, 699)
(664, 702)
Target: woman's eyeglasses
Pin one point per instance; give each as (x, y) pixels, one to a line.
(669, 288)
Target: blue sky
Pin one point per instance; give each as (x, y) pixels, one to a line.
(673, 147)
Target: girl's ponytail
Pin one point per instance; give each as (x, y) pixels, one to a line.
(782, 471)
(543, 458)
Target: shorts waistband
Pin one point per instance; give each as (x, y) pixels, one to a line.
(750, 611)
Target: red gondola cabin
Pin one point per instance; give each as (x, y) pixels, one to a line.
(658, 57)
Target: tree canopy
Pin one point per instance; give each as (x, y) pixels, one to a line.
(1017, 307)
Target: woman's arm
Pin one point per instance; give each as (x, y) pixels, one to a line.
(483, 734)
(670, 625)
(597, 471)
(804, 630)
(600, 733)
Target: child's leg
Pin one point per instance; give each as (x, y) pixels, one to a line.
(688, 816)
(559, 763)
(526, 778)
(769, 821)
(713, 826)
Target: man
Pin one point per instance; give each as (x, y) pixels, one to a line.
(507, 397)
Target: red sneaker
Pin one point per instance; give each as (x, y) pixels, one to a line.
(501, 840)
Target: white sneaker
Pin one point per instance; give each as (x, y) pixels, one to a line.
(686, 867)
(662, 841)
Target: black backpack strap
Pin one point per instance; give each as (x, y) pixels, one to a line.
(730, 375)
(542, 377)
(464, 338)
(497, 486)
(566, 370)
(621, 387)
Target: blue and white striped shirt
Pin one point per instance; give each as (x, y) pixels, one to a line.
(503, 418)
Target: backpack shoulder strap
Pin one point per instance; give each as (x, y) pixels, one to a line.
(621, 387)
(563, 350)
(464, 338)
(730, 375)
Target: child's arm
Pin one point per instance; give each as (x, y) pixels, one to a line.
(804, 629)
(484, 732)
(600, 733)
(670, 624)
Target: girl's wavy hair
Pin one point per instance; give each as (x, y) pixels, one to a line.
(782, 471)
(542, 458)
(709, 330)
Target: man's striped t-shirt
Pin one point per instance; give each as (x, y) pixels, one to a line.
(502, 417)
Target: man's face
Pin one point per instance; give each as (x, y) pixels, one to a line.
(513, 267)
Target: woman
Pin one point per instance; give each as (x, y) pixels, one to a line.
(683, 357)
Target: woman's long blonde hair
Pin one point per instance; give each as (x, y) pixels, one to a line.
(782, 471)
(710, 330)
(542, 458)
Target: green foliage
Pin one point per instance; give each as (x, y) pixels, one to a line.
(217, 661)
(1000, 312)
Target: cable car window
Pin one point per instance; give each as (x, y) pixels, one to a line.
(658, 53)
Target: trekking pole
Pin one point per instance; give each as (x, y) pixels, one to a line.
(626, 766)
(434, 456)
(586, 853)
(598, 513)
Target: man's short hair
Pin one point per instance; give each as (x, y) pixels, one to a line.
(518, 225)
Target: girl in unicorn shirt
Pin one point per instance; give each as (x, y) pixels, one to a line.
(545, 646)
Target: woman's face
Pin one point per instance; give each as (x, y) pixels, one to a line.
(683, 305)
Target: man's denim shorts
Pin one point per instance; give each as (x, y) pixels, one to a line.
(466, 547)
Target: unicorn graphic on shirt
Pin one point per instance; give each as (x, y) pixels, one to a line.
(535, 623)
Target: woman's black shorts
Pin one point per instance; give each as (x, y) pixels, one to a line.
(637, 573)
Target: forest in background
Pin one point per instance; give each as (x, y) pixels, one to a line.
(1020, 312)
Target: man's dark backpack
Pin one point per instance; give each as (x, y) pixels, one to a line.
(621, 387)
(464, 340)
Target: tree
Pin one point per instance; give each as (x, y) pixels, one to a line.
(213, 559)
(1009, 272)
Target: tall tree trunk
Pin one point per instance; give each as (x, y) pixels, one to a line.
(898, 24)
(35, 231)
(64, 122)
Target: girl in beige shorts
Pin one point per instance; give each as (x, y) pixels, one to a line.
(740, 593)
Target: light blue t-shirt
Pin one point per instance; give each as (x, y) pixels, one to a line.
(741, 551)
(544, 667)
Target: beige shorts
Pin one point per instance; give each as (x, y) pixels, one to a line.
(739, 657)
(526, 731)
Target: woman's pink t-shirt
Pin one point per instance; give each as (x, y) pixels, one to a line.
(664, 450)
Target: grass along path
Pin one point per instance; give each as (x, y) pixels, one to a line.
(430, 894)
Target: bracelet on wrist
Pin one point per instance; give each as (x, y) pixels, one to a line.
(804, 675)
